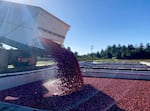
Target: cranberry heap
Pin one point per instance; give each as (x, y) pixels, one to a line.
(68, 67)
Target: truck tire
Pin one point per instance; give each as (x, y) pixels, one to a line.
(3, 60)
(33, 61)
(20, 64)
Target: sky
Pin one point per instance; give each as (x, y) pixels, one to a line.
(100, 23)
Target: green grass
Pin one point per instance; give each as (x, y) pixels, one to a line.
(44, 63)
(122, 60)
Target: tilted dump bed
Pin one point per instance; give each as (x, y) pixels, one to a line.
(23, 25)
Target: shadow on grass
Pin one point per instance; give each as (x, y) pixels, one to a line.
(88, 99)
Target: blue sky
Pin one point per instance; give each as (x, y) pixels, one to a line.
(101, 22)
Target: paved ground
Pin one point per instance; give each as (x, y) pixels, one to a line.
(124, 70)
(124, 74)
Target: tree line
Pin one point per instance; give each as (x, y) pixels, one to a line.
(119, 52)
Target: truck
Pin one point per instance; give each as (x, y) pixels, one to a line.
(21, 27)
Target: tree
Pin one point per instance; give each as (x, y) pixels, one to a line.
(148, 47)
(121, 52)
(102, 53)
(68, 48)
(76, 53)
(98, 55)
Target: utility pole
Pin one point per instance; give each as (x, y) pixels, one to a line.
(92, 52)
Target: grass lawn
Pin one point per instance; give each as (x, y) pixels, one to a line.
(123, 60)
(44, 63)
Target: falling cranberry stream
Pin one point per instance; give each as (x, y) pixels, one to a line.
(68, 67)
